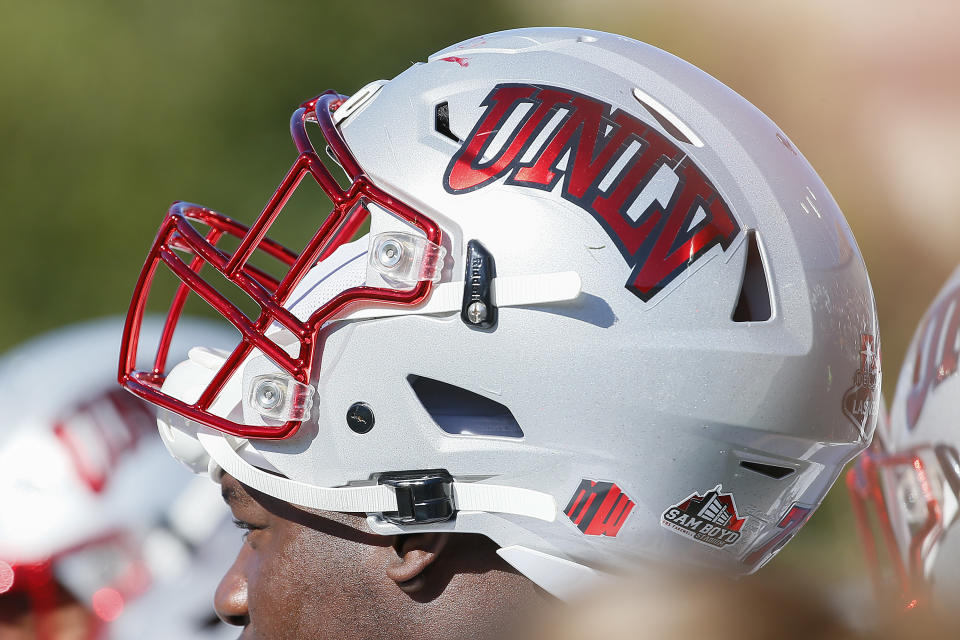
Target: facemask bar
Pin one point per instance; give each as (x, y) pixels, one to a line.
(178, 234)
(866, 490)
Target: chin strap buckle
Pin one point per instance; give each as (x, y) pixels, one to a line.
(422, 496)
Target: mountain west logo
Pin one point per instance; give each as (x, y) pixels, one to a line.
(658, 207)
(860, 402)
(599, 508)
(711, 519)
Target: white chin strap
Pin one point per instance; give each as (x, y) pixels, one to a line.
(467, 496)
(509, 291)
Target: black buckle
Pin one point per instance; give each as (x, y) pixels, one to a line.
(422, 496)
(478, 310)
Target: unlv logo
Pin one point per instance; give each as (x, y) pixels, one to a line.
(99, 433)
(658, 207)
(938, 350)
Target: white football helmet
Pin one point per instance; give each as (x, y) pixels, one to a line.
(82, 513)
(605, 313)
(911, 475)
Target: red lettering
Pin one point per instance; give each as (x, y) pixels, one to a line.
(603, 512)
(611, 515)
(671, 251)
(466, 173)
(660, 242)
(98, 433)
(588, 119)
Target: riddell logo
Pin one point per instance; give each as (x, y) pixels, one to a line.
(599, 508)
(711, 518)
(657, 206)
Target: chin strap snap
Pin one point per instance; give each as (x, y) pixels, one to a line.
(399, 499)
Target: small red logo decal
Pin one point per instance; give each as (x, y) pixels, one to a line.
(599, 508)
(463, 62)
(658, 207)
(788, 527)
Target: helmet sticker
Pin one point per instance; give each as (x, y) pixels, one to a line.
(937, 353)
(599, 508)
(861, 401)
(788, 526)
(710, 519)
(658, 207)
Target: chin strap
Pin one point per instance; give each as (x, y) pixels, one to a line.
(380, 498)
(508, 291)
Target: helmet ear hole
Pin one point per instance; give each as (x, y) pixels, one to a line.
(754, 303)
(461, 412)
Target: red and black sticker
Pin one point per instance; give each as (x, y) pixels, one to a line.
(710, 518)
(599, 508)
(862, 400)
(788, 526)
(656, 204)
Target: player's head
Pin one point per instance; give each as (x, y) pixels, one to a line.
(86, 525)
(912, 472)
(604, 313)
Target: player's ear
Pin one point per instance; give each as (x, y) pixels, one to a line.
(415, 552)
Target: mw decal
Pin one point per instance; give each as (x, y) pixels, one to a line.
(599, 508)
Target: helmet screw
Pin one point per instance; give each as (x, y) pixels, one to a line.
(268, 395)
(389, 253)
(477, 312)
(360, 417)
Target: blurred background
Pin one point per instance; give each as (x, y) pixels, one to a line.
(112, 110)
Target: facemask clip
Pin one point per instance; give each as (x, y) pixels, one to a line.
(406, 258)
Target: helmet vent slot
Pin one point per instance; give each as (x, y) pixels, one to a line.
(770, 470)
(667, 119)
(441, 121)
(754, 302)
(461, 412)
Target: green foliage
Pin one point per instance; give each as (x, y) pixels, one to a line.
(112, 110)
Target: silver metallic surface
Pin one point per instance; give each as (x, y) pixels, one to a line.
(477, 312)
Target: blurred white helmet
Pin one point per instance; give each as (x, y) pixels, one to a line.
(84, 521)
(911, 475)
(605, 313)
